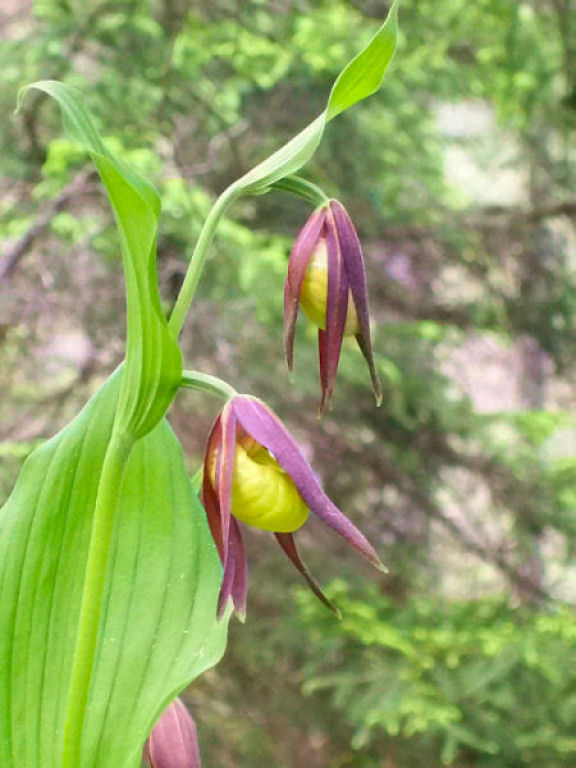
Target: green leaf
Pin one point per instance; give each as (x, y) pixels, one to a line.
(358, 80)
(158, 629)
(153, 366)
(363, 75)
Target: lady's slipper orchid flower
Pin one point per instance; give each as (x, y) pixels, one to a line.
(326, 276)
(173, 742)
(254, 472)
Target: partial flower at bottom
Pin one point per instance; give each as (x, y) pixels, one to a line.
(255, 473)
(173, 742)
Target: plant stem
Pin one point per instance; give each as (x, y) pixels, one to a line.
(196, 264)
(204, 382)
(302, 188)
(113, 468)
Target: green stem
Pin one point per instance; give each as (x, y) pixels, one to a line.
(196, 264)
(303, 188)
(204, 382)
(113, 468)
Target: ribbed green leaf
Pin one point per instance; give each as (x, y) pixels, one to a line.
(153, 366)
(358, 80)
(158, 628)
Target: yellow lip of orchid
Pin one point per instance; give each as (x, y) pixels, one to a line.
(255, 472)
(264, 496)
(314, 292)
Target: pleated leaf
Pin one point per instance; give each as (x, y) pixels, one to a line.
(153, 365)
(158, 628)
(359, 79)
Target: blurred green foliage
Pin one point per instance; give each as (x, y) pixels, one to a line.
(440, 682)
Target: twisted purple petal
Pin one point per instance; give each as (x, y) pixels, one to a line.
(267, 429)
(323, 364)
(225, 471)
(336, 310)
(297, 264)
(239, 582)
(286, 541)
(173, 742)
(209, 497)
(356, 275)
(217, 500)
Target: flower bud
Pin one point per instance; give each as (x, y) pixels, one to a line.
(173, 742)
(326, 276)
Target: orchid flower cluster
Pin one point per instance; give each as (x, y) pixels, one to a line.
(254, 472)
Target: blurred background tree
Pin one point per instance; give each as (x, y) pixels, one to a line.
(459, 175)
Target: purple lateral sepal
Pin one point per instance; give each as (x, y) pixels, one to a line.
(267, 429)
(173, 742)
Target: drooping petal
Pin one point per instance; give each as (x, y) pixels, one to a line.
(301, 252)
(239, 582)
(336, 309)
(356, 275)
(234, 580)
(225, 471)
(323, 365)
(286, 541)
(227, 588)
(209, 497)
(217, 500)
(366, 349)
(173, 742)
(267, 429)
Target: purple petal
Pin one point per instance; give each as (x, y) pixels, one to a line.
(356, 274)
(209, 498)
(212, 507)
(173, 742)
(297, 264)
(234, 582)
(225, 471)
(267, 429)
(218, 505)
(336, 310)
(227, 588)
(322, 360)
(286, 541)
(366, 349)
(239, 583)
